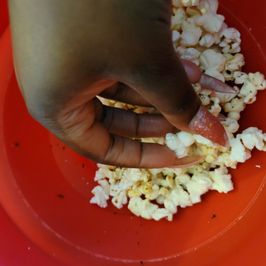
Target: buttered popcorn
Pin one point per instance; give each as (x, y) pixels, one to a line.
(201, 36)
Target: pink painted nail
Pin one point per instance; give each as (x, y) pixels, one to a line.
(207, 125)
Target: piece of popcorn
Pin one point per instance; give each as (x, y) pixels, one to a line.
(235, 105)
(175, 36)
(257, 79)
(207, 40)
(182, 179)
(210, 22)
(234, 115)
(212, 59)
(199, 184)
(173, 143)
(105, 186)
(253, 137)
(215, 108)
(190, 35)
(141, 207)
(100, 197)
(154, 193)
(170, 206)
(231, 125)
(221, 180)
(193, 11)
(135, 174)
(120, 200)
(178, 19)
(163, 192)
(103, 172)
(180, 197)
(161, 213)
(191, 54)
(160, 199)
(238, 151)
(225, 159)
(231, 34)
(235, 63)
(188, 3)
(248, 91)
(240, 77)
(205, 100)
(208, 6)
(186, 138)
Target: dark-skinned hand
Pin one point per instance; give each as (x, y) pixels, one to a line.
(68, 52)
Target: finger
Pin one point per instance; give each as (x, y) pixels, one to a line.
(206, 81)
(129, 124)
(81, 130)
(192, 70)
(123, 93)
(144, 155)
(99, 145)
(164, 82)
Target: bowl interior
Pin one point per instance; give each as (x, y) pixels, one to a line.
(52, 184)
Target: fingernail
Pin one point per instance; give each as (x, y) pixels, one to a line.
(208, 126)
(187, 161)
(221, 118)
(210, 83)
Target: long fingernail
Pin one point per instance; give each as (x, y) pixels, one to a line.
(210, 83)
(208, 126)
(187, 161)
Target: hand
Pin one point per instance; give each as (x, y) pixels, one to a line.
(67, 52)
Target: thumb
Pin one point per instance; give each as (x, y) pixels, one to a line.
(161, 79)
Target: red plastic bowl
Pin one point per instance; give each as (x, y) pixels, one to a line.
(45, 190)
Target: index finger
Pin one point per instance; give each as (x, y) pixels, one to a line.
(90, 138)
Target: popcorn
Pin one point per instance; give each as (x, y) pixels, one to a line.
(238, 151)
(190, 54)
(201, 36)
(190, 35)
(188, 3)
(174, 143)
(248, 92)
(258, 80)
(180, 197)
(231, 125)
(175, 36)
(208, 6)
(215, 108)
(253, 138)
(211, 59)
(178, 19)
(235, 105)
(210, 22)
(234, 115)
(100, 197)
(207, 40)
(198, 186)
(221, 180)
(240, 77)
(186, 138)
(235, 63)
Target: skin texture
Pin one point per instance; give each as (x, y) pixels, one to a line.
(67, 52)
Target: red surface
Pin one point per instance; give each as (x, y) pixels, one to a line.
(36, 170)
